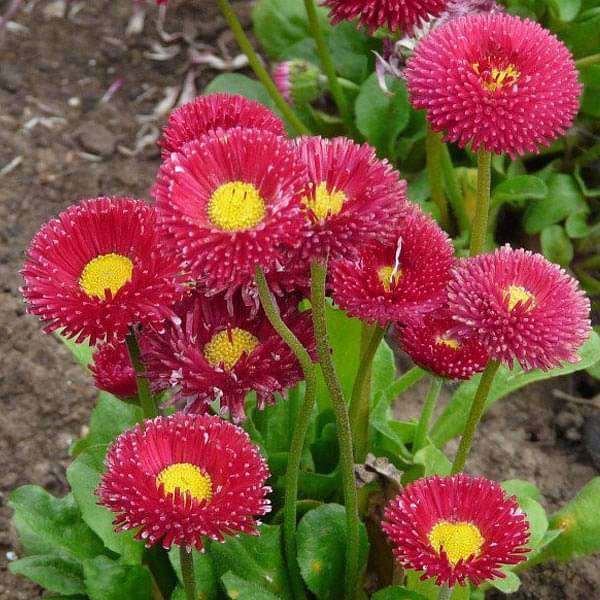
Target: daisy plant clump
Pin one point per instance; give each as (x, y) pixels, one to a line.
(317, 243)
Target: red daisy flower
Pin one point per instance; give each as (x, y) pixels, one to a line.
(396, 15)
(432, 346)
(456, 529)
(96, 270)
(229, 204)
(503, 83)
(520, 306)
(183, 478)
(113, 371)
(214, 113)
(352, 197)
(399, 281)
(219, 350)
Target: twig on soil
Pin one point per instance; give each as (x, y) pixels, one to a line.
(11, 166)
(591, 402)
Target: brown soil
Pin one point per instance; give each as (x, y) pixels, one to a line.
(69, 145)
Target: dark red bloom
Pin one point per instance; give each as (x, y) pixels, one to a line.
(431, 345)
(113, 371)
(503, 83)
(216, 113)
(456, 529)
(98, 269)
(220, 350)
(399, 281)
(394, 14)
(352, 197)
(229, 204)
(182, 478)
(520, 306)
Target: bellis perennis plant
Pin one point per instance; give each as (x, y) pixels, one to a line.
(246, 326)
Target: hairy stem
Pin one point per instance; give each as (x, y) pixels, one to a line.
(318, 277)
(301, 427)
(146, 400)
(433, 148)
(477, 408)
(361, 393)
(445, 592)
(187, 573)
(428, 408)
(482, 209)
(259, 69)
(587, 61)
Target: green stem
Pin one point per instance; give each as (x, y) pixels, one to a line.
(455, 194)
(428, 408)
(301, 427)
(327, 63)
(318, 277)
(484, 175)
(433, 148)
(361, 392)
(587, 61)
(187, 573)
(477, 408)
(445, 592)
(146, 400)
(259, 69)
(405, 381)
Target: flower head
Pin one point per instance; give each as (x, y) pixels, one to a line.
(520, 306)
(97, 270)
(298, 81)
(395, 15)
(431, 345)
(456, 529)
(220, 350)
(216, 113)
(113, 371)
(227, 204)
(183, 478)
(398, 281)
(500, 82)
(352, 197)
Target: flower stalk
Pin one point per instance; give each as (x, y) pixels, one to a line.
(433, 148)
(318, 277)
(145, 397)
(482, 209)
(428, 408)
(187, 573)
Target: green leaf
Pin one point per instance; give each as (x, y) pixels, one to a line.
(429, 461)
(521, 489)
(509, 585)
(106, 579)
(517, 190)
(577, 226)
(83, 475)
(537, 519)
(580, 524)
(258, 560)
(57, 521)
(454, 417)
(240, 589)
(556, 245)
(381, 118)
(207, 584)
(565, 10)
(384, 370)
(563, 199)
(54, 573)
(322, 550)
(397, 592)
(351, 51)
(81, 352)
(235, 83)
(429, 590)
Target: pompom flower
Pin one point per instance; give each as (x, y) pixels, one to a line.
(220, 350)
(399, 281)
(352, 197)
(229, 204)
(432, 346)
(97, 270)
(456, 529)
(180, 479)
(113, 371)
(503, 83)
(520, 306)
(396, 15)
(216, 113)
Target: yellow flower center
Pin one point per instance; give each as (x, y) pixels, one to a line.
(325, 203)
(236, 206)
(449, 342)
(105, 272)
(188, 478)
(389, 277)
(459, 540)
(493, 78)
(516, 294)
(227, 347)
